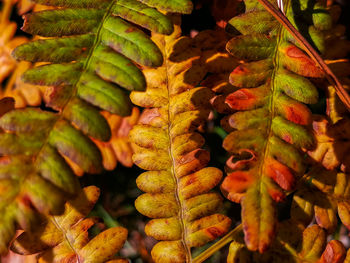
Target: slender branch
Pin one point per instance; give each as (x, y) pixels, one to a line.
(109, 221)
(333, 80)
(6, 12)
(218, 245)
(112, 222)
(20, 68)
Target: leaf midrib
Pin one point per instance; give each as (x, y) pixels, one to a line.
(58, 226)
(173, 172)
(266, 150)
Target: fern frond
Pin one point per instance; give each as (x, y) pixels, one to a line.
(293, 244)
(177, 183)
(65, 238)
(272, 122)
(97, 49)
(90, 62)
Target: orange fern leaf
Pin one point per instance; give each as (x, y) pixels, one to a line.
(271, 123)
(177, 183)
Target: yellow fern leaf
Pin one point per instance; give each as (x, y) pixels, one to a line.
(167, 144)
(65, 238)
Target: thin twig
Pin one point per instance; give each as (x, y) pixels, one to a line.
(280, 5)
(333, 80)
(111, 222)
(218, 245)
(6, 12)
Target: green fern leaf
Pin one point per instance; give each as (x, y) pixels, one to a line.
(92, 54)
(177, 6)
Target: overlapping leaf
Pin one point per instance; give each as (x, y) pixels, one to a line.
(90, 62)
(333, 143)
(272, 122)
(24, 6)
(293, 244)
(11, 71)
(118, 149)
(323, 194)
(24, 94)
(7, 43)
(96, 48)
(324, 191)
(65, 238)
(177, 183)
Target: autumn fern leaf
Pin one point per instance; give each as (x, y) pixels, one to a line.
(65, 238)
(294, 244)
(177, 183)
(272, 121)
(92, 54)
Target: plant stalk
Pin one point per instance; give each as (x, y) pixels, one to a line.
(218, 245)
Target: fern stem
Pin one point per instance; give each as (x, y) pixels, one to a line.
(218, 245)
(173, 171)
(107, 218)
(21, 66)
(6, 12)
(112, 222)
(331, 77)
(66, 238)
